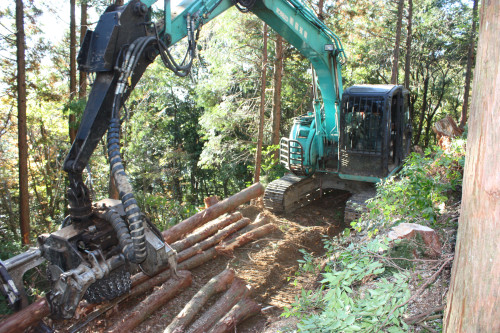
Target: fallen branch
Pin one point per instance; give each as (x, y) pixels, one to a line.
(228, 247)
(423, 316)
(157, 299)
(211, 241)
(419, 291)
(205, 232)
(238, 290)
(179, 230)
(216, 284)
(245, 308)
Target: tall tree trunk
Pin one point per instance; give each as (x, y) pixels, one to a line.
(473, 300)
(258, 153)
(72, 68)
(320, 10)
(24, 209)
(470, 59)
(408, 45)
(82, 84)
(395, 61)
(278, 75)
(423, 109)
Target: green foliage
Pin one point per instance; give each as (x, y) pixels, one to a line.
(346, 303)
(420, 192)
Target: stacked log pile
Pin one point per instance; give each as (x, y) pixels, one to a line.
(197, 240)
(231, 308)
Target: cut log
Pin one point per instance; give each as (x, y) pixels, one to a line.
(157, 299)
(245, 309)
(178, 231)
(238, 290)
(205, 232)
(210, 201)
(260, 220)
(216, 284)
(228, 247)
(211, 241)
(25, 318)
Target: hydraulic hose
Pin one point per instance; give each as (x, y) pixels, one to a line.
(132, 210)
(122, 233)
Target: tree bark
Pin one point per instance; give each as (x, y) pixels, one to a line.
(238, 290)
(206, 231)
(226, 205)
(468, 72)
(27, 317)
(409, 37)
(211, 241)
(82, 84)
(24, 209)
(245, 308)
(422, 110)
(260, 138)
(320, 10)
(395, 60)
(278, 75)
(260, 220)
(473, 300)
(154, 301)
(210, 201)
(72, 69)
(216, 284)
(228, 247)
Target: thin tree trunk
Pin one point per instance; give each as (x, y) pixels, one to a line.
(24, 209)
(258, 153)
(320, 10)
(82, 84)
(278, 75)
(409, 37)
(395, 61)
(473, 300)
(422, 110)
(72, 69)
(470, 59)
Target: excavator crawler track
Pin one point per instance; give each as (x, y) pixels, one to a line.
(286, 194)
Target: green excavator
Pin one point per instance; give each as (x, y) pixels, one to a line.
(353, 139)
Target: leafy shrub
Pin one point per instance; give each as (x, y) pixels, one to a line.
(420, 191)
(354, 295)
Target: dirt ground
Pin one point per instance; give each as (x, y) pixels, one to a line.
(268, 265)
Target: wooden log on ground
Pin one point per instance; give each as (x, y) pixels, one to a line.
(260, 220)
(245, 309)
(216, 284)
(205, 232)
(228, 247)
(211, 241)
(233, 295)
(157, 299)
(25, 318)
(178, 231)
(210, 201)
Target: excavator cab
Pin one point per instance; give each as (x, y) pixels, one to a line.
(375, 131)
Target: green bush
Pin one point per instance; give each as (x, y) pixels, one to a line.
(420, 192)
(354, 295)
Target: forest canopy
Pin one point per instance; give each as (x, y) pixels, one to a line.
(188, 138)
